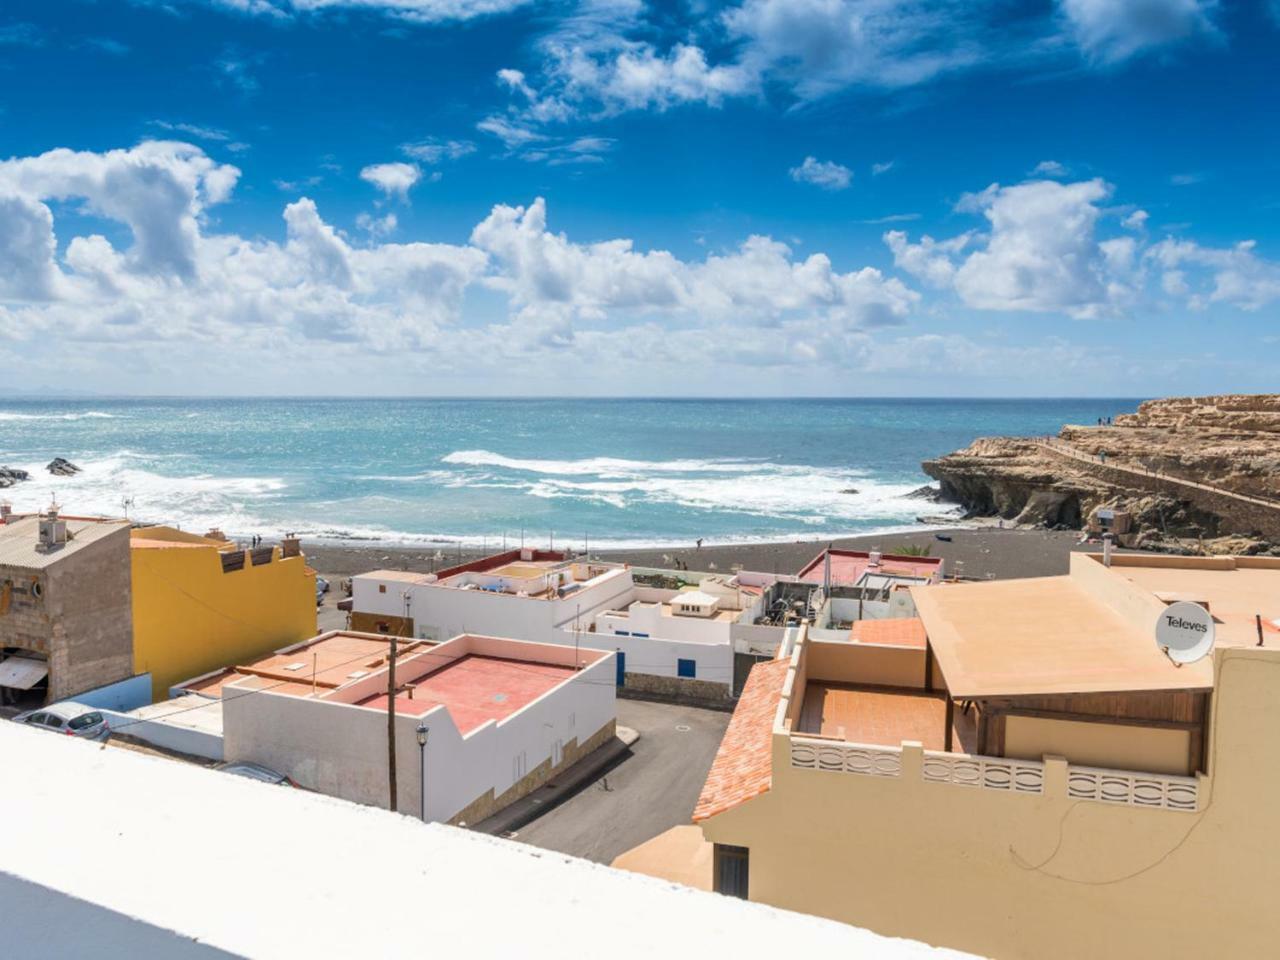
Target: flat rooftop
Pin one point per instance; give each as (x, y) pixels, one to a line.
(331, 660)
(723, 616)
(20, 540)
(1093, 631)
(849, 566)
(881, 716)
(1235, 594)
(476, 689)
(1044, 635)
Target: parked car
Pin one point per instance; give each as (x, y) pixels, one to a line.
(254, 771)
(68, 717)
(322, 587)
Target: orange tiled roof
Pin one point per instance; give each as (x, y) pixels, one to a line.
(743, 769)
(896, 631)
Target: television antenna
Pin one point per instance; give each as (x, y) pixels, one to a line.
(1184, 632)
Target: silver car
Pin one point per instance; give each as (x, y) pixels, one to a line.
(69, 718)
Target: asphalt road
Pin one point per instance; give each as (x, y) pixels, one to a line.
(649, 791)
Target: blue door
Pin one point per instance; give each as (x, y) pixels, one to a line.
(622, 668)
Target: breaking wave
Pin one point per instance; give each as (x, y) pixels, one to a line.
(598, 466)
(6, 415)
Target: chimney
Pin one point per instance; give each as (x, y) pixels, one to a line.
(290, 547)
(53, 531)
(1106, 549)
(6, 511)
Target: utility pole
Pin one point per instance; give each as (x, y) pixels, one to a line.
(391, 708)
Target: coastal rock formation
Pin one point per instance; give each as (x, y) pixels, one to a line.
(11, 475)
(62, 468)
(1186, 468)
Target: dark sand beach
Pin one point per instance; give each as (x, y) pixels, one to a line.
(985, 552)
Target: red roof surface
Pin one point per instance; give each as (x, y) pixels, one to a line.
(848, 566)
(476, 689)
(895, 632)
(743, 767)
(495, 560)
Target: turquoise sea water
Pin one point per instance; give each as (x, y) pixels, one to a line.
(623, 472)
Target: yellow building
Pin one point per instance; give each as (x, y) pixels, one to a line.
(200, 603)
(1037, 779)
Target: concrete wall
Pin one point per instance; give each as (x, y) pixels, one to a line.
(868, 663)
(189, 617)
(657, 656)
(167, 736)
(340, 749)
(1005, 874)
(752, 638)
(649, 618)
(1122, 747)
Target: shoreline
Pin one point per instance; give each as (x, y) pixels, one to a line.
(984, 550)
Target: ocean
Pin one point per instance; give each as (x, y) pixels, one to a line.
(621, 473)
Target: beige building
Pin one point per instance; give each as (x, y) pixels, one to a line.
(1037, 779)
(65, 620)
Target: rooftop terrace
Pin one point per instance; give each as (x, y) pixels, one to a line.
(476, 689)
(310, 668)
(848, 567)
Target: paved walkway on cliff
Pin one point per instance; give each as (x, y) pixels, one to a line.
(1062, 448)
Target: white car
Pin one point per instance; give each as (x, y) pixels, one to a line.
(69, 718)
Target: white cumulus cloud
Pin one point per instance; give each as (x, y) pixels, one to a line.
(826, 174)
(1113, 30)
(393, 179)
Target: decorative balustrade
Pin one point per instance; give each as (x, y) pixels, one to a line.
(840, 757)
(1003, 774)
(992, 773)
(1132, 789)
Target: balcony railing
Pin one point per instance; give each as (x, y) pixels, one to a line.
(1006, 775)
(992, 773)
(840, 757)
(1134, 789)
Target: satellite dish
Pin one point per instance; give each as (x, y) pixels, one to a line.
(1184, 631)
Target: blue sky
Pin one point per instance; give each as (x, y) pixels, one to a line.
(619, 197)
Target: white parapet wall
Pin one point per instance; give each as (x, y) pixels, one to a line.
(85, 884)
(660, 657)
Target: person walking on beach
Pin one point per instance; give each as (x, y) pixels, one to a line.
(698, 542)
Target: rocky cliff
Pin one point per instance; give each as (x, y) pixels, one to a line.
(1148, 463)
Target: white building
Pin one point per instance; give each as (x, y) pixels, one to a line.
(500, 717)
(674, 635)
(284, 873)
(526, 594)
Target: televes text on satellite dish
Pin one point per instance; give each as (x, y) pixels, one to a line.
(1177, 623)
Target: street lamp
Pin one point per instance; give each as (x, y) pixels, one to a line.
(422, 732)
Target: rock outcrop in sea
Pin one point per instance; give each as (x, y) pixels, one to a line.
(62, 468)
(11, 475)
(1184, 468)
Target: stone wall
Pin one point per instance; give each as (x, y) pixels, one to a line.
(648, 686)
(91, 607)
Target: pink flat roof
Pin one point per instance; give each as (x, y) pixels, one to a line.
(848, 566)
(476, 689)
